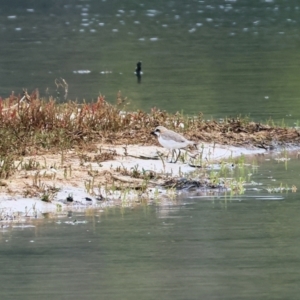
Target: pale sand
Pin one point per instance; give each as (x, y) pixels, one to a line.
(73, 178)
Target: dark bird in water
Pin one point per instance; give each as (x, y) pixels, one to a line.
(138, 71)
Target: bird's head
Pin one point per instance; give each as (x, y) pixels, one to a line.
(158, 130)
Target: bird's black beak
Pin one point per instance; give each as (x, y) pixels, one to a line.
(153, 133)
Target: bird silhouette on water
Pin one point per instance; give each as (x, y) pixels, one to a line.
(138, 71)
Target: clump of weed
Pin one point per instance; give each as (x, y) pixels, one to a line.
(31, 125)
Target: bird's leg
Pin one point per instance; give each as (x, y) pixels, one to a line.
(168, 155)
(179, 152)
(172, 151)
(171, 161)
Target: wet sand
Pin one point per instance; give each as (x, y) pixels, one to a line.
(70, 180)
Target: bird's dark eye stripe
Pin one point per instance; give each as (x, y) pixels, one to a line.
(157, 130)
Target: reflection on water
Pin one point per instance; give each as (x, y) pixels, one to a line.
(219, 57)
(197, 248)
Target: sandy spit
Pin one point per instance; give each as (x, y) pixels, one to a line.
(77, 181)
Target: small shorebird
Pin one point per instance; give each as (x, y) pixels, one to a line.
(171, 140)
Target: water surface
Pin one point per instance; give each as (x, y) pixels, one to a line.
(245, 247)
(220, 57)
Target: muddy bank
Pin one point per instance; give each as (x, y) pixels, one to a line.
(132, 174)
(70, 155)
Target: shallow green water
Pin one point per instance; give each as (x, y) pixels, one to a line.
(245, 247)
(222, 58)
